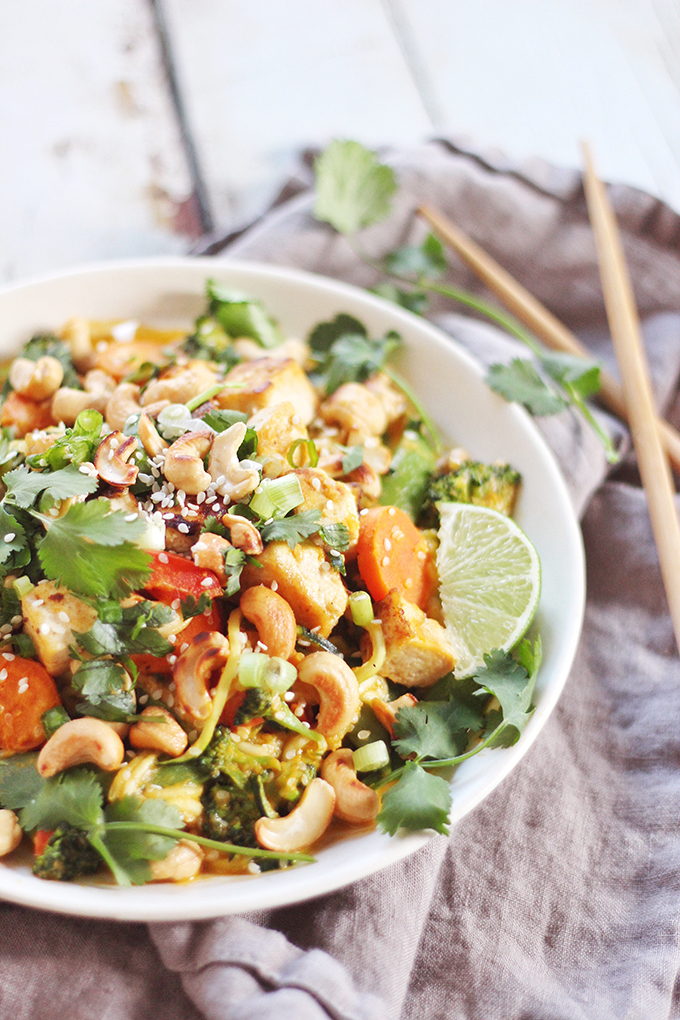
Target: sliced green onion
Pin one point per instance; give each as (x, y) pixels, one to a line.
(371, 757)
(312, 452)
(279, 674)
(22, 587)
(205, 396)
(251, 669)
(275, 497)
(88, 421)
(361, 607)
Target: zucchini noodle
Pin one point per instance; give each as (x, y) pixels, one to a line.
(373, 664)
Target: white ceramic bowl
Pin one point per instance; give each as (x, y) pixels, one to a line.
(170, 292)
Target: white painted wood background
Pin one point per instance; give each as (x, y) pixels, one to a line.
(94, 163)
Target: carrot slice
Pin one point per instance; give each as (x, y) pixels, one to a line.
(40, 840)
(26, 691)
(393, 553)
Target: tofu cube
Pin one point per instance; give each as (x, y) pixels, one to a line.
(51, 614)
(418, 650)
(253, 385)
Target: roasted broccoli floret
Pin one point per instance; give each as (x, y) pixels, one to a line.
(491, 485)
(256, 703)
(67, 856)
(231, 811)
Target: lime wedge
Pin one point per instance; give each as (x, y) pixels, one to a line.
(490, 582)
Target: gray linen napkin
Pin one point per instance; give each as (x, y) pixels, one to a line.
(559, 897)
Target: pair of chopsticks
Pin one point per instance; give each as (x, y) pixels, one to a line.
(655, 440)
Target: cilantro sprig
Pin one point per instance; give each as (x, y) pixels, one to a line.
(353, 192)
(435, 735)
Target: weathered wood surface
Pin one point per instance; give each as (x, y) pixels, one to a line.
(94, 164)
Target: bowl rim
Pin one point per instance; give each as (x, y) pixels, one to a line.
(200, 900)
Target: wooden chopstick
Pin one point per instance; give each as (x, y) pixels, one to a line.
(537, 318)
(624, 326)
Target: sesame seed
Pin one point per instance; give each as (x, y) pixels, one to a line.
(170, 486)
(211, 498)
(156, 497)
(325, 567)
(168, 517)
(362, 513)
(39, 602)
(143, 698)
(3, 674)
(184, 528)
(172, 638)
(172, 686)
(260, 646)
(111, 453)
(53, 512)
(288, 696)
(391, 512)
(288, 755)
(421, 555)
(316, 483)
(329, 504)
(170, 700)
(235, 737)
(22, 688)
(200, 498)
(63, 616)
(131, 517)
(45, 628)
(8, 656)
(192, 735)
(58, 629)
(254, 868)
(275, 585)
(183, 647)
(6, 628)
(295, 419)
(385, 561)
(175, 604)
(206, 582)
(84, 469)
(363, 734)
(15, 621)
(163, 558)
(10, 536)
(220, 480)
(299, 711)
(408, 583)
(172, 659)
(387, 544)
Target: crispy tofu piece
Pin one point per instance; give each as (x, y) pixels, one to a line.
(310, 586)
(335, 500)
(51, 614)
(267, 381)
(277, 427)
(418, 650)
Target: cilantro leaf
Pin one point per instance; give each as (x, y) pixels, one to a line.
(12, 537)
(131, 631)
(520, 382)
(577, 375)
(336, 536)
(510, 682)
(190, 607)
(220, 419)
(353, 358)
(324, 334)
(130, 850)
(234, 562)
(90, 551)
(417, 801)
(415, 301)
(354, 458)
(74, 797)
(119, 706)
(352, 188)
(23, 485)
(427, 259)
(434, 729)
(20, 781)
(240, 316)
(292, 529)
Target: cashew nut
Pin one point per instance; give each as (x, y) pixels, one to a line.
(184, 462)
(306, 823)
(151, 440)
(354, 801)
(338, 693)
(180, 385)
(167, 736)
(79, 741)
(273, 619)
(191, 673)
(386, 711)
(366, 481)
(112, 457)
(123, 403)
(36, 380)
(76, 333)
(231, 479)
(244, 534)
(182, 863)
(10, 832)
(68, 403)
(209, 552)
(357, 411)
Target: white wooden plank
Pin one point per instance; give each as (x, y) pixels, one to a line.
(92, 165)
(533, 78)
(262, 80)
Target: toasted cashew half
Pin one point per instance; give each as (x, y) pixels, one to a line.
(209, 552)
(36, 380)
(206, 653)
(112, 460)
(273, 619)
(182, 863)
(152, 442)
(306, 823)
(167, 736)
(10, 832)
(184, 462)
(232, 480)
(354, 801)
(338, 693)
(98, 389)
(386, 711)
(123, 402)
(79, 741)
(244, 534)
